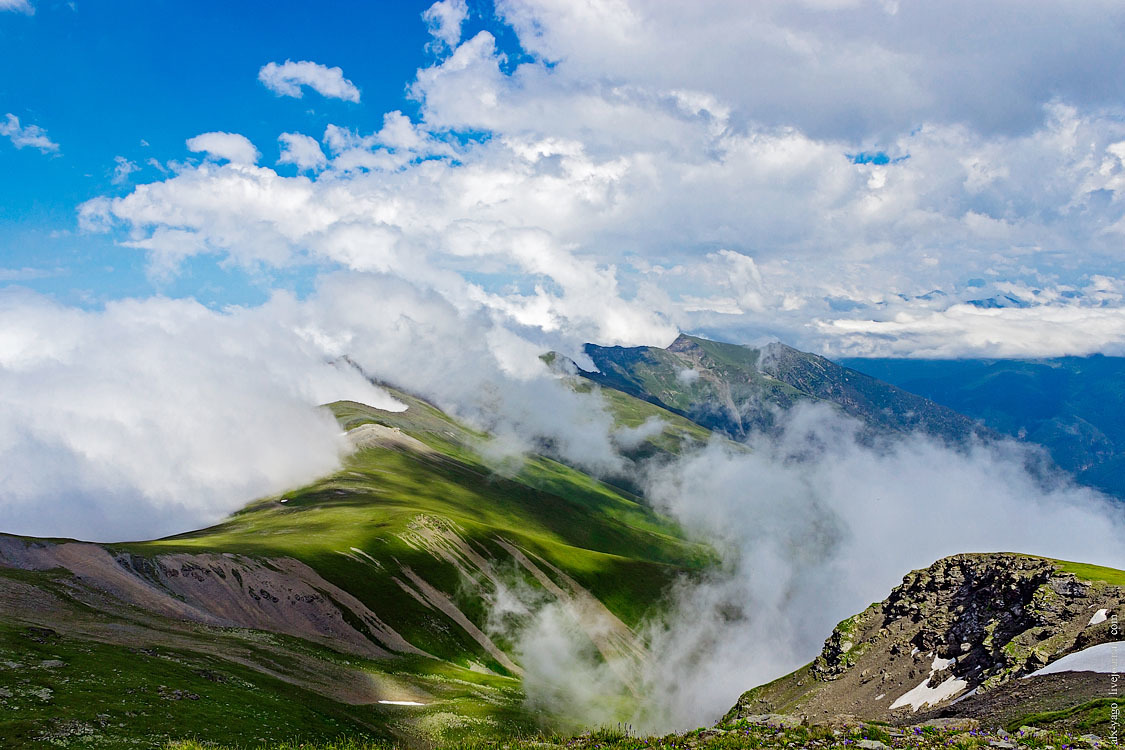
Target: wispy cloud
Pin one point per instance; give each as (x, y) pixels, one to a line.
(27, 135)
(288, 78)
(28, 273)
(122, 169)
(19, 6)
(130, 452)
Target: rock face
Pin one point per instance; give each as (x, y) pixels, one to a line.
(967, 624)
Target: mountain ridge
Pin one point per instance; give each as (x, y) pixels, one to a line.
(1073, 406)
(737, 389)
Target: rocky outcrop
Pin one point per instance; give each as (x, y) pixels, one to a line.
(968, 624)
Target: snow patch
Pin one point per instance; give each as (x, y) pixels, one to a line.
(402, 703)
(1102, 658)
(1099, 617)
(924, 695)
(939, 664)
(969, 694)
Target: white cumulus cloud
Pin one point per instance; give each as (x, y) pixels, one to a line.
(288, 78)
(301, 150)
(620, 182)
(960, 330)
(233, 147)
(444, 19)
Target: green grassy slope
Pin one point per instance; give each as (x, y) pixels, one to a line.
(610, 542)
(1087, 572)
(417, 527)
(83, 676)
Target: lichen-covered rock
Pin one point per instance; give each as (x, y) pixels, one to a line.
(967, 624)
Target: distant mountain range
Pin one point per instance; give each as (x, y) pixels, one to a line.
(1072, 406)
(738, 389)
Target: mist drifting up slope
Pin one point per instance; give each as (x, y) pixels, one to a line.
(812, 525)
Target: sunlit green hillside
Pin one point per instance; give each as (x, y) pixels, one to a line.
(297, 615)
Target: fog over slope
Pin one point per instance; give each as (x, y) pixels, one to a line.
(157, 416)
(812, 527)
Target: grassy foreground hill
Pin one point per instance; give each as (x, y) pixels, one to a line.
(774, 734)
(976, 651)
(360, 604)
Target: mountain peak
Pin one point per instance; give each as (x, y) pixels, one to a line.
(683, 342)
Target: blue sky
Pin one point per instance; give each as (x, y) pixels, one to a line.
(136, 79)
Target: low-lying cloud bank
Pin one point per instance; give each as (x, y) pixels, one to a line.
(812, 526)
(153, 417)
(158, 416)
